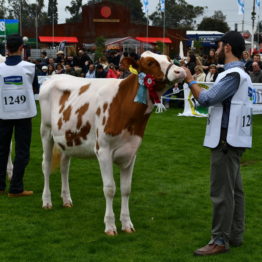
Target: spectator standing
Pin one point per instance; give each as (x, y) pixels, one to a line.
(50, 69)
(69, 70)
(191, 62)
(210, 60)
(59, 69)
(199, 75)
(100, 72)
(18, 79)
(212, 74)
(247, 61)
(256, 74)
(112, 72)
(91, 73)
(43, 71)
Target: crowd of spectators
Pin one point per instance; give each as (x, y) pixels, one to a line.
(81, 65)
(206, 68)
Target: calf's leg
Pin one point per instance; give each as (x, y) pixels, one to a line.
(109, 188)
(65, 191)
(125, 184)
(47, 143)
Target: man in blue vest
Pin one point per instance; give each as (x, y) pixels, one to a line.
(17, 107)
(228, 133)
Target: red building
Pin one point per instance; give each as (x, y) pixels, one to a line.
(112, 21)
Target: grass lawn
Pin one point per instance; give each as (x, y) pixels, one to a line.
(169, 204)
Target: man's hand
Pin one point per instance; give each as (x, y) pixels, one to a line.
(189, 76)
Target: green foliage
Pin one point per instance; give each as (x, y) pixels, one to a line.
(217, 22)
(75, 9)
(29, 12)
(178, 14)
(170, 205)
(100, 47)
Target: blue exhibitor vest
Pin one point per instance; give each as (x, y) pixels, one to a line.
(239, 133)
(16, 92)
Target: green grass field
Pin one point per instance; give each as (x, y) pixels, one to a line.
(169, 204)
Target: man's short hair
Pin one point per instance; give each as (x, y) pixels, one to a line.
(237, 42)
(13, 42)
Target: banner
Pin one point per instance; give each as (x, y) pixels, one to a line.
(145, 6)
(162, 5)
(258, 3)
(241, 7)
(192, 107)
(8, 27)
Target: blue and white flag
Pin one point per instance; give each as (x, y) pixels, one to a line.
(145, 6)
(162, 5)
(241, 7)
(258, 3)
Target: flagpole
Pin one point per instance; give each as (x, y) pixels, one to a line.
(253, 17)
(258, 30)
(243, 20)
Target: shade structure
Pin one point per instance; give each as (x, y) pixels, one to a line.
(58, 39)
(166, 40)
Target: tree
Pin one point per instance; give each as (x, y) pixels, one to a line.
(52, 12)
(135, 6)
(75, 9)
(29, 12)
(217, 22)
(100, 47)
(178, 14)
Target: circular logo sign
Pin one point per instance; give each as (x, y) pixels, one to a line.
(105, 11)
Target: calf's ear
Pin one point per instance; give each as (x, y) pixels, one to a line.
(128, 61)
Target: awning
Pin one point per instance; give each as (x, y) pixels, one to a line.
(166, 40)
(58, 39)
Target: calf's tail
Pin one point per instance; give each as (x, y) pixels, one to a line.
(56, 156)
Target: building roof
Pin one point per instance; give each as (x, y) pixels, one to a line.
(204, 33)
(58, 39)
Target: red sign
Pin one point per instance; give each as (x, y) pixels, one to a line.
(105, 11)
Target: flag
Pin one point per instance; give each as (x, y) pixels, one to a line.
(162, 5)
(258, 3)
(145, 6)
(241, 7)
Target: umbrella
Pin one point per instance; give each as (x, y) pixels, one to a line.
(181, 50)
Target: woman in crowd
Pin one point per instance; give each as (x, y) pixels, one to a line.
(212, 74)
(199, 75)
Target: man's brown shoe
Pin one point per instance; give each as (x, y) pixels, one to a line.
(210, 249)
(24, 193)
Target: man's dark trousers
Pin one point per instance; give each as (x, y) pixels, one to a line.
(227, 193)
(22, 131)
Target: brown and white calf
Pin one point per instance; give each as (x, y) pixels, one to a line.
(98, 117)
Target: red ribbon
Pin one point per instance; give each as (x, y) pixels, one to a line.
(150, 83)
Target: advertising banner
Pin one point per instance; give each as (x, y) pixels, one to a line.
(8, 27)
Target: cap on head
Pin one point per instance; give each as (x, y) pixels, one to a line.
(13, 42)
(236, 40)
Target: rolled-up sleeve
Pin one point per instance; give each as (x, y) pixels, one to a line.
(220, 91)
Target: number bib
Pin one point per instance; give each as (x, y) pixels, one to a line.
(15, 100)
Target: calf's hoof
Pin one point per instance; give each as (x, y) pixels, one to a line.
(129, 230)
(47, 206)
(111, 233)
(68, 205)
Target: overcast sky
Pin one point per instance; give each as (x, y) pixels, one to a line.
(228, 7)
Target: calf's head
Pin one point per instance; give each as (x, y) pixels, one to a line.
(159, 66)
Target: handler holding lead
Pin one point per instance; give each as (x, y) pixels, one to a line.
(17, 107)
(228, 133)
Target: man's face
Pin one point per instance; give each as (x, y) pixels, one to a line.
(255, 67)
(221, 53)
(256, 58)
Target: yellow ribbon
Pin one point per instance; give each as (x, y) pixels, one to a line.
(133, 70)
